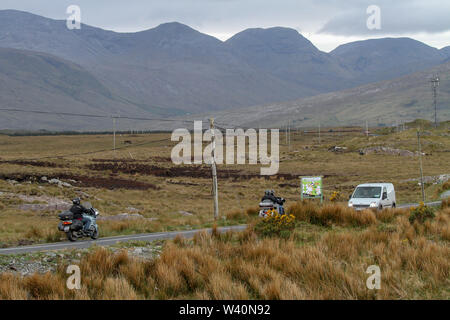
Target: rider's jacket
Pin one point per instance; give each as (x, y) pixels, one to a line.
(78, 210)
(270, 197)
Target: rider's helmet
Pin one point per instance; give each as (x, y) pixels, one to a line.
(76, 201)
(272, 193)
(267, 192)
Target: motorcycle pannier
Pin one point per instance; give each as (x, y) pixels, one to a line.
(66, 215)
(76, 225)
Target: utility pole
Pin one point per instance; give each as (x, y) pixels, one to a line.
(319, 133)
(434, 84)
(367, 129)
(421, 169)
(214, 170)
(285, 133)
(289, 130)
(114, 135)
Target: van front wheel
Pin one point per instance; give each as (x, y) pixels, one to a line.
(380, 207)
(393, 205)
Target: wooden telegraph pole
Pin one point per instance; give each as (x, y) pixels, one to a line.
(214, 170)
(420, 163)
(319, 133)
(114, 135)
(367, 129)
(289, 131)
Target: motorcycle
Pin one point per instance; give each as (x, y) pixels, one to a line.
(269, 208)
(74, 228)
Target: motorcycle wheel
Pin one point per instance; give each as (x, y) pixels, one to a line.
(94, 235)
(70, 236)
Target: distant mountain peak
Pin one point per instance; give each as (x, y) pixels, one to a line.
(389, 43)
(175, 31)
(278, 39)
(174, 27)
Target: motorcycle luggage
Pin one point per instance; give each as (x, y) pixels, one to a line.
(266, 204)
(76, 225)
(66, 215)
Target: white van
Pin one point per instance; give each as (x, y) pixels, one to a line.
(373, 195)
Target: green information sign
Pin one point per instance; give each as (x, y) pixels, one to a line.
(311, 188)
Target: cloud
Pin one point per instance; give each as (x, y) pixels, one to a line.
(397, 17)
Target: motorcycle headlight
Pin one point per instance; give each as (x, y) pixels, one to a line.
(373, 204)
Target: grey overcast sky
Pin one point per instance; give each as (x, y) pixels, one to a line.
(327, 23)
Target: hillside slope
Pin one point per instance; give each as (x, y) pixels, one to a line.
(387, 58)
(29, 80)
(401, 99)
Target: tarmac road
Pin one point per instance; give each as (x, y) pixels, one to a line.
(137, 237)
(113, 240)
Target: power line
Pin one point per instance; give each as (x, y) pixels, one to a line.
(93, 115)
(220, 125)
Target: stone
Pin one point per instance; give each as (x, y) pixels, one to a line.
(54, 181)
(65, 184)
(185, 213)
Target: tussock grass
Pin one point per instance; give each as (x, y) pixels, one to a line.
(445, 203)
(329, 214)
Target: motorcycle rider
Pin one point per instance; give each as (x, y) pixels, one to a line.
(78, 210)
(269, 195)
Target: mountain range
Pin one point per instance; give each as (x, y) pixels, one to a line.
(387, 102)
(174, 70)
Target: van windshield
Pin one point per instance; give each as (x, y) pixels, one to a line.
(367, 192)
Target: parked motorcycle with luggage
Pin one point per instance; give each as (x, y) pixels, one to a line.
(74, 228)
(270, 204)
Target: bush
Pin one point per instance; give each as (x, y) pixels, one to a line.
(421, 213)
(335, 196)
(276, 225)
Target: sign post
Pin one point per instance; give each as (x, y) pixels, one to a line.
(311, 188)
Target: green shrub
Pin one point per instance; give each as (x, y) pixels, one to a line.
(421, 213)
(276, 225)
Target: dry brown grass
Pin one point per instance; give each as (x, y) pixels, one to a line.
(414, 261)
(445, 203)
(329, 214)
